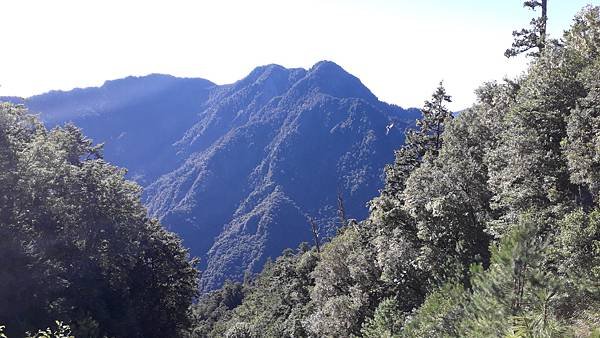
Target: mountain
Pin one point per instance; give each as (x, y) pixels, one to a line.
(237, 169)
(137, 118)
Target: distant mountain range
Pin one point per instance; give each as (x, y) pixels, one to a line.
(237, 169)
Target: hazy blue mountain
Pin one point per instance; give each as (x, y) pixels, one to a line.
(137, 118)
(12, 99)
(237, 169)
(269, 151)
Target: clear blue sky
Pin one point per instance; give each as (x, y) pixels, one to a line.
(399, 48)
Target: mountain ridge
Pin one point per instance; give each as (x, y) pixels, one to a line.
(237, 169)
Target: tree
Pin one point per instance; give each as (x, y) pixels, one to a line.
(439, 315)
(584, 35)
(435, 117)
(62, 331)
(76, 244)
(448, 197)
(534, 37)
(386, 322)
(394, 230)
(425, 140)
(315, 233)
(519, 289)
(387, 212)
(527, 170)
(346, 286)
(582, 143)
(575, 253)
(274, 304)
(214, 307)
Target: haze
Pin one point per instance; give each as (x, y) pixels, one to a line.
(399, 49)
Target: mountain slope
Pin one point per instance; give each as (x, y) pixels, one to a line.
(298, 138)
(137, 118)
(237, 169)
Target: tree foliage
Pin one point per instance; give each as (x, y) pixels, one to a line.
(76, 244)
(487, 225)
(533, 37)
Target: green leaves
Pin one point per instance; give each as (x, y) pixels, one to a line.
(346, 285)
(439, 315)
(386, 322)
(582, 144)
(584, 36)
(488, 225)
(76, 243)
(517, 285)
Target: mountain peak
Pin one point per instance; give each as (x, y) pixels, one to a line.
(265, 69)
(274, 76)
(112, 95)
(154, 80)
(262, 73)
(329, 78)
(138, 79)
(328, 67)
(325, 77)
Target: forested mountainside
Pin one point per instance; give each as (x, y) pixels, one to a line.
(275, 149)
(488, 225)
(238, 169)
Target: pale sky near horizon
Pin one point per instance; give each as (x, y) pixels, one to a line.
(400, 49)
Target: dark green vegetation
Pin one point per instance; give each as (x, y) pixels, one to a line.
(76, 244)
(488, 225)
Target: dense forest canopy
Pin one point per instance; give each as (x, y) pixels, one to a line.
(488, 226)
(76, 244)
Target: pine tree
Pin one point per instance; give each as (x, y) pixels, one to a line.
(386, 322)
(516, 293)
(425, 140)
(534, 37)
(432, 125)
(439, 315)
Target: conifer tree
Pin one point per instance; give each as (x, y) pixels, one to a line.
(515, 293)
(426, 139)
(386, 322)
(527, 169)
(582, 144)
(432, 125)
(534, 37)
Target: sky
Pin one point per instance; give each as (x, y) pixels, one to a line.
(400, 49)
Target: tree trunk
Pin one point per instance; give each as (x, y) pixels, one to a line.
(544, 22)
(315, 234)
